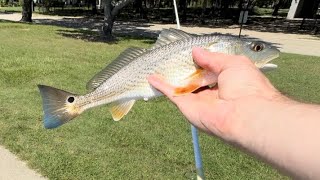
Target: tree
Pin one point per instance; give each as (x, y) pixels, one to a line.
(183, 10)
(94, 6)
(111, 10)
(279, 4)
(204, 7)
(26, 11)
(140, 9)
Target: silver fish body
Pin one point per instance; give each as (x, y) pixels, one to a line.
(125, 80)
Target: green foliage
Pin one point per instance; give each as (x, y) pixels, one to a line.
(271, 3)
(152, 142)
(269, 11)
(10, 3)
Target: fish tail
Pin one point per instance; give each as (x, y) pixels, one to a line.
(59, 106)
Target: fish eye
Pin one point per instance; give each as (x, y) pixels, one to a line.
(70, 99)
(257, 47)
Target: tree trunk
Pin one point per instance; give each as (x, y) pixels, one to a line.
(108, 20)
(140, 9)
(26, 11)
(276, 8)
(203, 11)
(94, 6)
(159, 4)
(110, 13)
(107, 29)
(225, 8)
(183, 9)
(315, 16)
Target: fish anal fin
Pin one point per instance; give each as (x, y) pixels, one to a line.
(196, 80)
(120, 109)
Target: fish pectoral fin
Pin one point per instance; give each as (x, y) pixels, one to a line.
(120, 109)
(195, 81)
(186, 89)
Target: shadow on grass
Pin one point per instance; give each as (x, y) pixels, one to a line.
(7, 21)
(7, 11)
(281, 25)
(88, 29)
(262, 24)
(84, 12)
(145, 36)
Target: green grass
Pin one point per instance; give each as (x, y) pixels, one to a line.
(152, 142)
(58, 11)
(11, 9)
(269, 11)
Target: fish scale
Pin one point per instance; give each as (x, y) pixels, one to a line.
(124, 80)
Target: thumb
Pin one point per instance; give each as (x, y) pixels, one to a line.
(216, 62)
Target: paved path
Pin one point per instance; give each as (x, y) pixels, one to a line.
(12, 168)
(291, 43)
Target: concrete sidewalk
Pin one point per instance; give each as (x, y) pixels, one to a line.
(290, 43)
(12, 168)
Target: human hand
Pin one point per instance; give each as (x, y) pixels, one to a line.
(246, 110)
(218, 110)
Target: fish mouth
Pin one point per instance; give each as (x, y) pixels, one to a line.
(265, 62)
(268, 67)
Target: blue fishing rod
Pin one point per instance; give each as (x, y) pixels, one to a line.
(194, 131)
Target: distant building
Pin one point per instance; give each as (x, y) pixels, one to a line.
(70, 2)
(303, 8)
(99, 4)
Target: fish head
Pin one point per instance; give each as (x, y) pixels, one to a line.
(259, 52)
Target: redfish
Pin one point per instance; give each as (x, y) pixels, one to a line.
(124, 80)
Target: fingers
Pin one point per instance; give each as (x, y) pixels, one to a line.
(161, 85)
(217, 62)
(168, 90)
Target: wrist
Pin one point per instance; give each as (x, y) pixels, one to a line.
(254, 118)
(281, 132)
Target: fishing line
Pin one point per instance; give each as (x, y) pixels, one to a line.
(194, 131)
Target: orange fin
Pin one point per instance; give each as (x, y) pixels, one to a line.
(196, 80)
(187, 89)
(120, 109)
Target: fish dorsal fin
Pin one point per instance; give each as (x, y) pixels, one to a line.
(120, 109)
(122, 60)
(168, 36)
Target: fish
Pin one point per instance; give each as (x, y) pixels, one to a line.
(124, 81)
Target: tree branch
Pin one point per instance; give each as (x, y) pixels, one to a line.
(120, 5)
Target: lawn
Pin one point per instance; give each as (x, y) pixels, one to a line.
(152, 142)
(11, 9)
(269, 11)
